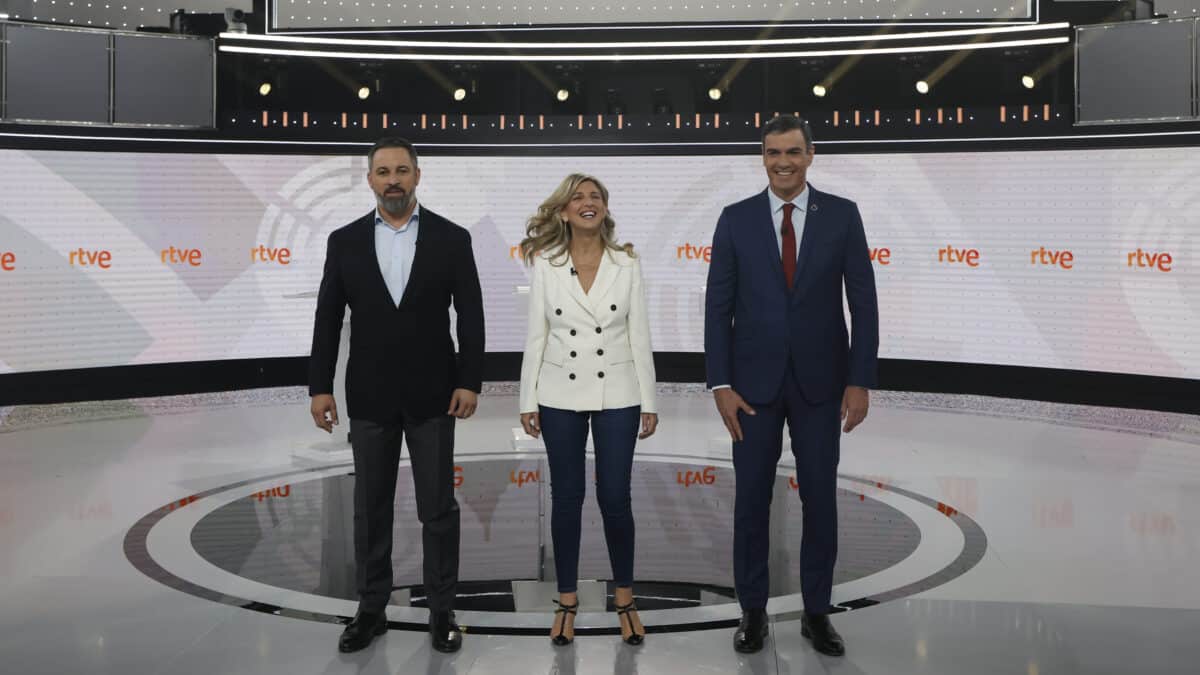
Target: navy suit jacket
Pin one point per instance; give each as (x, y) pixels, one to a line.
(755, 327)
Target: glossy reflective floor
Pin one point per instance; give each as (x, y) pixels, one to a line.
(209, 534)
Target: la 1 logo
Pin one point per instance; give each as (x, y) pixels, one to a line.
(688, 478)
(458, 477)
(522, 478)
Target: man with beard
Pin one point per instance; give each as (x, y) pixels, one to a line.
(398, 268)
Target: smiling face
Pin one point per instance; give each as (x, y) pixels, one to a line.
(585, 209)
(787, 157)
(393, 178)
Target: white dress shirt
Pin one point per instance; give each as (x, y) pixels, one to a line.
(395, 248)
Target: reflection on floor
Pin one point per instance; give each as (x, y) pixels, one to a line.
(995, 536)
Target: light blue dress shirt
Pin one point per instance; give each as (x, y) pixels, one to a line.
(395, 248)
(799, 215)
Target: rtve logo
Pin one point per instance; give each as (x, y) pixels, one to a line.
(190, 256)
(269, 254)
(1051, 257)
(88, 258)
(693, 252)
(705, 476)
(8, 261)
(523, 478)
(952, 255)
(1140, 258)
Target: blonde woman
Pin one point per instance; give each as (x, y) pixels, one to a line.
(587, 360)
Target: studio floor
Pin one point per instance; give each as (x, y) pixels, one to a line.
(209, 534)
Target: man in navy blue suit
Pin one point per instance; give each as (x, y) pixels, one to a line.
(777, 350)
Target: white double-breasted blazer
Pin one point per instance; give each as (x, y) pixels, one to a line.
(587, 351)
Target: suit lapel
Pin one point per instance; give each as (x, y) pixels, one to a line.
(571, 283)
(366, 234)
(813, 222)
(606, 274)
(766, 234)
(427, 221)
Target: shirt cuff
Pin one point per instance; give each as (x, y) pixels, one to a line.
(721, 386)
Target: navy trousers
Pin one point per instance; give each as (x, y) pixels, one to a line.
(614, 434)
(815, 432)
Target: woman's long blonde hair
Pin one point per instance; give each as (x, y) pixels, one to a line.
(547, 231)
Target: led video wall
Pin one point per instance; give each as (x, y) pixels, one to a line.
(1081, 259)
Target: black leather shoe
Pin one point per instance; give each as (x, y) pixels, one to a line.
(361, 630)
(445, 634)
(818, 629)
(751, 631)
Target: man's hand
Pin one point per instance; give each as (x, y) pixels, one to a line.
(728, 404)
(855, 402)
(462, 403)
(324, 412)
(649, 425)
(532, 423)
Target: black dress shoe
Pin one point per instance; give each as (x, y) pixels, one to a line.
(818, 629)
(751, 631)
(445, 634)
(361, 630)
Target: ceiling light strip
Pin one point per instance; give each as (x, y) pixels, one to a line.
(385, 56)
(438, 44)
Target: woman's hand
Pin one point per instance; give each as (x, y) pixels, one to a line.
(532, 424)
(649, 425)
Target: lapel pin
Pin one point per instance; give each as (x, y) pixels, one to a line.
(812, 207)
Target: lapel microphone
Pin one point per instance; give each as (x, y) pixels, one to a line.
(574, 273)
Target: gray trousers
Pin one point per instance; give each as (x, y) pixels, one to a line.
(376, 450)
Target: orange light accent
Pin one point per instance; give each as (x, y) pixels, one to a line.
(443, 120)
(305, 124)
(1046, 111)
(960, 115)
(917, 117)
(837, 116)
(941, 117)
(857, 118)
(521, 122)
(1003, 114)
(285, 118)
(757, 120)
(465, 124)
(620, 121)
(364, 120)
(599, 121)
(676, 120)
(876, 118)
(697, 122)
(1025, 113)
(424, 120)
(716, 119)
(265, 121)
(541, 122)
(579, 122)
(344, 122)
(502, 121)
(384, 120)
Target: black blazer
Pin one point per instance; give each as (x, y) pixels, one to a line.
(402, 360)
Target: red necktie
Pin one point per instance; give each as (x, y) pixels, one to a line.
(789, 245)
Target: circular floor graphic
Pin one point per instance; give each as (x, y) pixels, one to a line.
(283, 544)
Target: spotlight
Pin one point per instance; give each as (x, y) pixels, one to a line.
(1028, 82)
(460, 94)
(264, 89)
(922, 87)
(562, 94)
(714, 93)
(364, 92)
(819, 90)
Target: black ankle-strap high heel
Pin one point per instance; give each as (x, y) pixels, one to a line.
(635, 638)
(561, 640)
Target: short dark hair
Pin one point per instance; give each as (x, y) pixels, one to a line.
(781, 124)
(392, 142)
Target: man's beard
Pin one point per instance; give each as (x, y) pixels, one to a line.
(395, 205)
